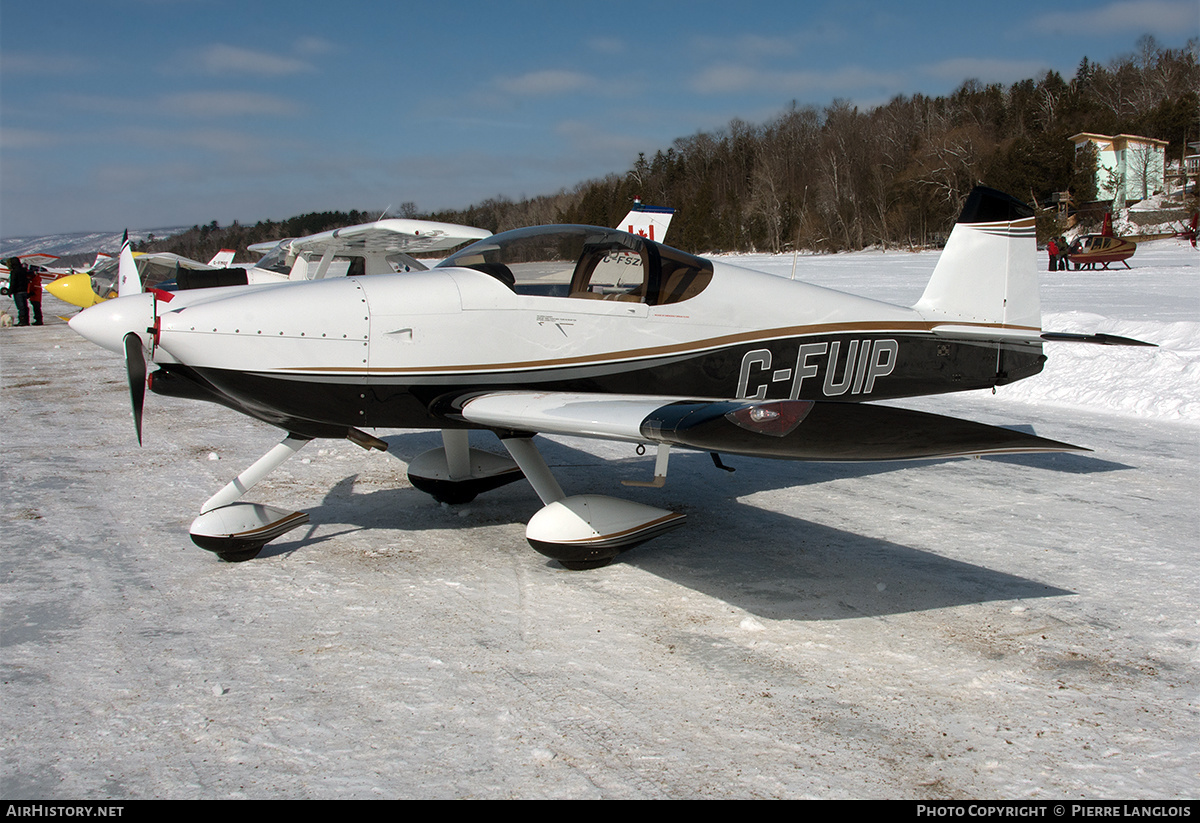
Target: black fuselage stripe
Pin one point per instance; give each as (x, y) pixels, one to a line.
(845, 367)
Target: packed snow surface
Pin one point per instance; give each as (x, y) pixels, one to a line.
(1023, 627)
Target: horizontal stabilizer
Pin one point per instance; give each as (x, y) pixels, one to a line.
(843, 432)
(787, 429)
(1100, 339)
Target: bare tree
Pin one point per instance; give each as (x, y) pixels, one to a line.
(1142, 168)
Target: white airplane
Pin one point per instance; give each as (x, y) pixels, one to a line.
(223, 259)
(98, 282)
(387, 247)
(371, 248)
(381, 247)
(39, 261)
(593, 332)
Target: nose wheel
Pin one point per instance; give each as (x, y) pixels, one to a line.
(236, 530)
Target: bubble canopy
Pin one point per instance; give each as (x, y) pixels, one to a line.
(588, 263)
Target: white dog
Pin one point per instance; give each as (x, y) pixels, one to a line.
(6, 319)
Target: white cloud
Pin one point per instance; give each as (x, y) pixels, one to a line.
(226, 104)
(729, 78)
(591, 139)
(222, 59)
(725, 79)
(545, 83)
(987, 70)
(202, 105)
(607, 45)
(1138, 16)
(313, 46)
(753, 45)
(11, 139)
(44, 64)
(223, 141)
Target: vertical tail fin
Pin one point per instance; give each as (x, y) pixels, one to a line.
(650, 222)
(987, 273)
(128, 279)
(223, 259)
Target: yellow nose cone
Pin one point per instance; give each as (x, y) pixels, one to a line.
(75, 289)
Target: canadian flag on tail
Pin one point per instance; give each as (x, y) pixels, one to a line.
(650, 222)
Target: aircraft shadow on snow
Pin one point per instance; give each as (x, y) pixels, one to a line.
(771, 564)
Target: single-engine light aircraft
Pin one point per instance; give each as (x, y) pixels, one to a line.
(594, 332)
(382, 247)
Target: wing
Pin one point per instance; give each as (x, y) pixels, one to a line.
(787, 429)
(389, 237)
(38, 259)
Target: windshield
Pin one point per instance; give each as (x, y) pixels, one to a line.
(306, 265)
(586, 262)
(277, 259)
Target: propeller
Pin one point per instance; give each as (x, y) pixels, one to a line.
(127, 325)
(135, 370)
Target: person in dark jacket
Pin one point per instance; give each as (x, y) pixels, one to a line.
(18, 287)
(35, 293)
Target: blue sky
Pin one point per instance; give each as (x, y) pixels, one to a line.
(150, 113)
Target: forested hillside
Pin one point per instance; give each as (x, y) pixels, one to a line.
(202, 242)
(839, 177)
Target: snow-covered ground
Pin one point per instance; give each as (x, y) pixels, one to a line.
(87, 243)
(1024, 627)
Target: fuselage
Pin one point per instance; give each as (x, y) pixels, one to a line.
(380, 351)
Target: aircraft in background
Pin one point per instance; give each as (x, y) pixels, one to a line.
(1189, 231)
(40, 261)
(650, 222)
(592, 332)
(371, 241)
(382, 247)
(222, 259)
(1091, 250)
(45, 262)
(98, 282)
(387, 247)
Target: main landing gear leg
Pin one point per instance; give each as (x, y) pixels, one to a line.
(456, 473)
(237, 531)
(583, 531)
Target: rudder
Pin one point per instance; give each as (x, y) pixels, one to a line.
(987, 272)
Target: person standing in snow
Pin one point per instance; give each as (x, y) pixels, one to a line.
(35, 293)
(18, 287)
(1052, 250)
